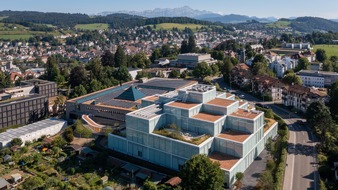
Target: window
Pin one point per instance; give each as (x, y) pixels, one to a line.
(180, 166)
(139, 153)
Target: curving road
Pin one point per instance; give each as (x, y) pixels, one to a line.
(301, 169)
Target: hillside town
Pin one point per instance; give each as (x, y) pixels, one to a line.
(143, 107)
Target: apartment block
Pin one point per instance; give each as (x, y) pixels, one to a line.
(318, 79)
(195, 120)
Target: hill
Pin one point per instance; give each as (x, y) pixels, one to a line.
(233, 18)
(310, 24)
(117, 20)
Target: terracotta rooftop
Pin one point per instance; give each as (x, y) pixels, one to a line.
(229, 95)
(226, 161)
(185, 105)
(207, 117)
(241, 103)
(245, 114)
(221, 102)
(174, 181)
(234, 135)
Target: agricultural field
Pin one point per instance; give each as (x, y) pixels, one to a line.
(330, 49)
(278, 24)
(15, 36)
(170, 26)
(3, 17)
(95, 26)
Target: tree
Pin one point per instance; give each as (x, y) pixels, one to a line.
(155, 55)
(319, 118)
(334, 100)
(16, 142)
(292, 78)
(201, 173)
(81, 130)
(174, 74)
(122, 74)
(327, 66)
(184, 47)
(303, 64)
(94, 86)
(202, 70)
(78, 75)
(120, 57)
(52, 70)
(165, 50)
(239, 176)
(69, 134)
(259, 58)
(107, 58)
(191, 44)
(148, 185)
(266, 180)
(215, 69)
(334, 58)
(59, 142)
(321, 55)
(33, 183)
(79, 91)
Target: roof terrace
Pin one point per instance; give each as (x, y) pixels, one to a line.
(234, 136)
(246, 114)
(226, 161)
(221, 102)
(207, 117)
(184, 105)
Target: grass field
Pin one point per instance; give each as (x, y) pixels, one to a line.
(97, 26)
(3, 17)
(279, 24)
(330, 49)
(15, 36)
(170, 26)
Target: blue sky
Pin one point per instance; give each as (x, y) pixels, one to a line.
(260, 8)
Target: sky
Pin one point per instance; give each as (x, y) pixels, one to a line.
(259, 8)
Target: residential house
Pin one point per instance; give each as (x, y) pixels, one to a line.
(281, 66)
(301, 97)
(268, 87)
(241, 75)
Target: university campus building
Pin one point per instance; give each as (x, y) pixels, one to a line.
(26, 103)
(172, 127)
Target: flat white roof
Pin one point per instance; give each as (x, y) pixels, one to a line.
(16, 133)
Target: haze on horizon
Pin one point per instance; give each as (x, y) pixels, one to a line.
(259, 8)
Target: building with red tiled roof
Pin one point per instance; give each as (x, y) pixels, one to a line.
(300, 97)
(266, 86)
(241, 75)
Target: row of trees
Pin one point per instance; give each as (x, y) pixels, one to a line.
(320, 119)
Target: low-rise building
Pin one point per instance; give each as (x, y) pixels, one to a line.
(190, 60)
(241, 75)
(195, 120)
(268, 86)
(301, 97)
(318, 79)
(298, 46)
(33, 131)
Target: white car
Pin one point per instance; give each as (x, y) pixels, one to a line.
(241, 96)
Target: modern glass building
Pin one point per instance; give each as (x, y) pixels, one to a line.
(173, 127)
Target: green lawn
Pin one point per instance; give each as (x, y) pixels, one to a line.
(279, 24)
(95, 26)
(170, 26)
(15, 36)
(330, 49)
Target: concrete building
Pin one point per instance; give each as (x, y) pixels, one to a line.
(33, 131)
(109, 106)
(318, 79)
(301, 97)
(195, 120)
(190, 60)
(298, 46)
(26, 103)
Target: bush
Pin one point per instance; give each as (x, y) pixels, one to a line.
(16, 142)
(68, 134)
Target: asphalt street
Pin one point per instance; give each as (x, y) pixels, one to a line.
(301, 168)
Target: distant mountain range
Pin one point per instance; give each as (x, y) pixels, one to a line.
(186, 11)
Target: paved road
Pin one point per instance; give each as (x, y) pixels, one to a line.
(301, 170)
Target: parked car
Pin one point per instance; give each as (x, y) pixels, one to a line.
(262, 106)
(241, 96)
